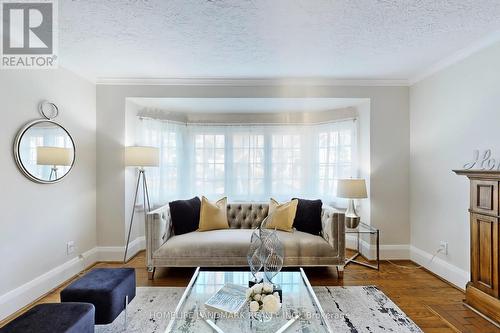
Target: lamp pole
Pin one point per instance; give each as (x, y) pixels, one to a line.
(145, 198)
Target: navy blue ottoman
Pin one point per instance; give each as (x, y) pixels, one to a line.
(109, 289)
(54, 318)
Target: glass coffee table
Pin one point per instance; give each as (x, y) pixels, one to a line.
(299, 300)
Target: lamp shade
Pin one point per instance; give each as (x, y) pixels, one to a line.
(351, 188)
(142, 156)
(54, 156)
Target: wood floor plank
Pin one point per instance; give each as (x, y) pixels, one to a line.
(462, 319)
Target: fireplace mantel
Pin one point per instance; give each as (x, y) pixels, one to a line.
(483, 290)
(479, 173)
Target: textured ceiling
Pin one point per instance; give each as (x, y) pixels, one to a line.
(347, 39)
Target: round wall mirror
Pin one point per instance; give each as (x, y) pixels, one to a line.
(44, 151)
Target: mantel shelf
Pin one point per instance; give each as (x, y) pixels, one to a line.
(479, 173)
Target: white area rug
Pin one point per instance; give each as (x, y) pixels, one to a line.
(349, 309)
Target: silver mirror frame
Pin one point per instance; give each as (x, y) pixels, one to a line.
(17, 157)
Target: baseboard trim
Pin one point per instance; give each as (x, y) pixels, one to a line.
(451, 273)
(387, 251)
(29, 292)
(441, 268)
(115, 253)
(395, 252)
(23, 295)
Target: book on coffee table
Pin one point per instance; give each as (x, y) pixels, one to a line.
(230, 299)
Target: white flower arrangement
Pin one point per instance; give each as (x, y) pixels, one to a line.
(262, 298)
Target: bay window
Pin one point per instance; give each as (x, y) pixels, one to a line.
(249, 162)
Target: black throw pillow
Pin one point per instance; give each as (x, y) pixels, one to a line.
(185, 215)
(308, 216)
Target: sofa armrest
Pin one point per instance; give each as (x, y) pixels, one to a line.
(333, 232)
(158, 230)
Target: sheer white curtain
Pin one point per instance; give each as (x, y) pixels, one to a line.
(164, 183)
(249, 162)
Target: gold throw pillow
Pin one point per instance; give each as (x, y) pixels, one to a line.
(213, 215)
(281, 216)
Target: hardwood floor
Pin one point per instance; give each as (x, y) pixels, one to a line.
(433, 304)
(463, 319)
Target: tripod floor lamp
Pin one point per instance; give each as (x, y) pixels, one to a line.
(140, 157)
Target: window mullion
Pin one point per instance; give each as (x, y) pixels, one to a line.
(229, 185)
(185, 162)
(267, 164)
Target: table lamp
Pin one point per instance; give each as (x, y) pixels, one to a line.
(140, 157)
(54, 156)
(351, 189)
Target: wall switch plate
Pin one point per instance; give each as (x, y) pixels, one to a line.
(70, 247)
(443, 246)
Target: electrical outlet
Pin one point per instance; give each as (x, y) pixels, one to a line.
(70, 247)
(443, 246)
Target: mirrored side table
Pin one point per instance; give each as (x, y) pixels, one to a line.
(366, 240)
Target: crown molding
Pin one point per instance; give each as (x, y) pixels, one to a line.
(458, 56)
(249, 82)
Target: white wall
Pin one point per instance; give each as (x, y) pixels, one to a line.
(364, 153)
(38, 220)
(451, 113)
(389, 145)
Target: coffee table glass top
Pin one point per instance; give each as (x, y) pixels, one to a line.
(298, 299)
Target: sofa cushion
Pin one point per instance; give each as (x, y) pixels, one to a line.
(214, 243)
(213, 215)
(303, 245)
(246, 215)
(185, 215)
(308, 216)
(281, 216)
(235, 243)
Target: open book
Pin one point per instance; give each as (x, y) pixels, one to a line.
(229, 298)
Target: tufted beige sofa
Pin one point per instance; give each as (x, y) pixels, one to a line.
(228, 248)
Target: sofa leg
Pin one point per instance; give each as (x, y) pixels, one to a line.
(151, 273)
(340, 271)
